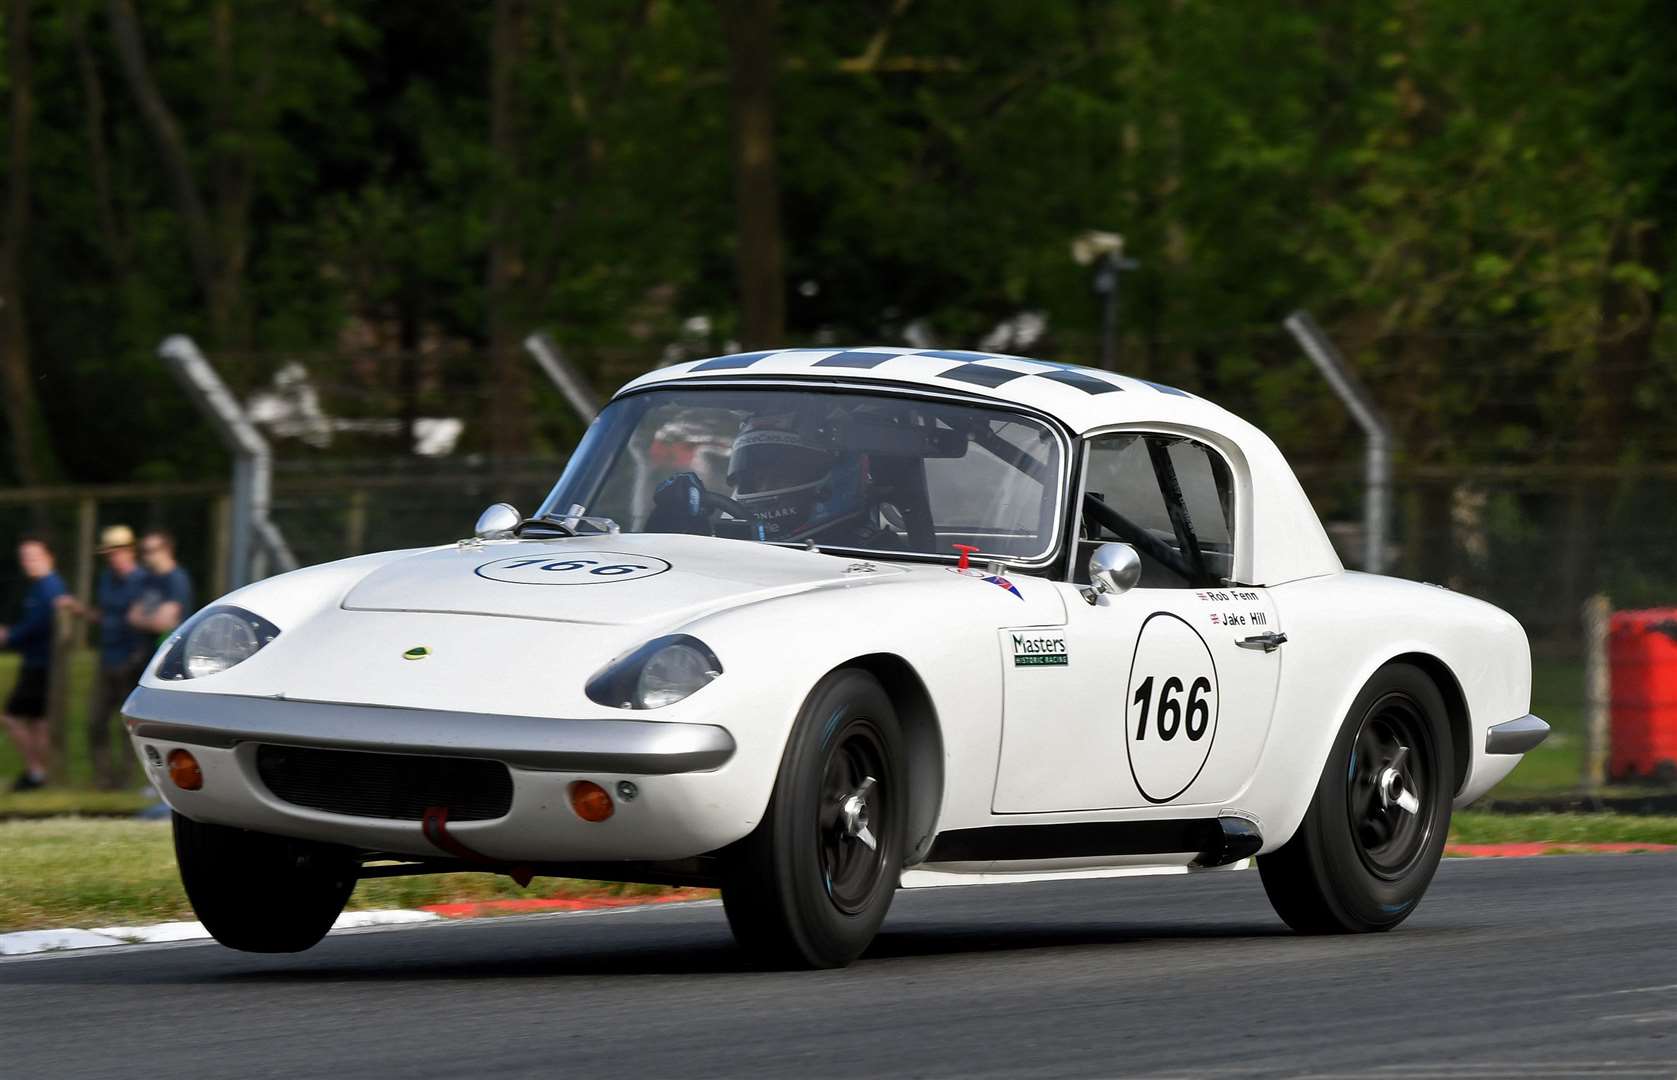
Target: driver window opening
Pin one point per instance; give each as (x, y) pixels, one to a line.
(1167, 496)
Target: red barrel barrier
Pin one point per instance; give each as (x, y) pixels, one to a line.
(1642, 651)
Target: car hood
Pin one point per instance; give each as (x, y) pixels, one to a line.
(605, 580)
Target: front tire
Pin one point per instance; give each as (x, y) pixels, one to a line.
(1372, 838)
(260, 893)
(811, 884)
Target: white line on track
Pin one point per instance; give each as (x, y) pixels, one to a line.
(1510, 1069)
(481, 922)
(1666, 989)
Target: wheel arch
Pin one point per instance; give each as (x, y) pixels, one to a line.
(923, 736)
(1455, 705)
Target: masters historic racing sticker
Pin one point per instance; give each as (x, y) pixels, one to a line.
(1170, 711)
(572, 568)
(1038, 650)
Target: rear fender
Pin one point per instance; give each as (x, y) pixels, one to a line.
(1342, 629)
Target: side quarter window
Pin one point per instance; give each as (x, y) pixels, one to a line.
(1168, 496)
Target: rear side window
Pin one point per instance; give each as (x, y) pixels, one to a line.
(1204, 479)
(1170, 497)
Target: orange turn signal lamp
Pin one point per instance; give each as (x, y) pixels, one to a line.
(590, 801)
(184, 770)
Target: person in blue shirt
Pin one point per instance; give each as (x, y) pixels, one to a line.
(123, 651)
(165, 599)
(32, 638)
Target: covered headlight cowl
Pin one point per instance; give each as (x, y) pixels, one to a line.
(214, 640)
(662, 672)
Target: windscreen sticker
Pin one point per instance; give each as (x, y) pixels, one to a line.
(994, 579)
(573, 568)
(1039, 650)
(997, 579)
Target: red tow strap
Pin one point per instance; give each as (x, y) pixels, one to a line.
(435, 827)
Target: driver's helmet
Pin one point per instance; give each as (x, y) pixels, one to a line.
(790, 472)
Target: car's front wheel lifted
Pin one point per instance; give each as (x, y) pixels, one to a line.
(261, 893)
(1375, 830)
(810, 886)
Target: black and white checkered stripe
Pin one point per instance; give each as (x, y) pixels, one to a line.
(976, 368)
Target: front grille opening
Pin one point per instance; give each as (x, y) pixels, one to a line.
(399, 787)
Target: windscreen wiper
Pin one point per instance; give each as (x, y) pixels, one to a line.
(544, 524)
(572, 523)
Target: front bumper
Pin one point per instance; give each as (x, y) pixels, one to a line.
(527, 742)
(680, 772)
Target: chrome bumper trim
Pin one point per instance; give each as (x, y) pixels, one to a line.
(645, 747)
(1516, 736)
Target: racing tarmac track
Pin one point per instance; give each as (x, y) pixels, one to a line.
(1554, 966)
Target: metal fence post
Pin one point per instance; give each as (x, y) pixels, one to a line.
(221, 543)
(254, 538)
(243, 501)
(65, 630)
(1598, 691)
(355, 523)
(563, 376)
(1377, 460)
(87, 523)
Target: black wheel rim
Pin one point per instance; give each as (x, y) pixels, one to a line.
(852, 820)
(1390, 786)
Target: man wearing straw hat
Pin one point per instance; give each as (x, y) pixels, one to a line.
(123, 650)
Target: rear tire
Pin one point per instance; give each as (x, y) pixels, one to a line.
(1372, 838)
(260, 893)
(806, 889)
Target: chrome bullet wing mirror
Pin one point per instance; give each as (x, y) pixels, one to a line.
(1114, 569)
(497, 523)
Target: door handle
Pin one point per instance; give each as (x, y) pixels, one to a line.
(1268, 641)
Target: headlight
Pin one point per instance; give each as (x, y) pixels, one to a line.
(662, 672)
(214, 640)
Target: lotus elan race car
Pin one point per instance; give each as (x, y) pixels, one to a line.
(811, 625)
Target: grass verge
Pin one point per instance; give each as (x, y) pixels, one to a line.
(1476, 827)
(61, 802)
(87, 873)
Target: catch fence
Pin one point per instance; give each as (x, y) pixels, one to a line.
(1534, 540)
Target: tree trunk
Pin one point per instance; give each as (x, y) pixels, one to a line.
(1624, 361)
(409, 313)
(31, 457)
(230, 172)
(753, 61)
(98, 151)
(509, 395)
(171, 147)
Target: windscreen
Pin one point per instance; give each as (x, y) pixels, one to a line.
(841, 469)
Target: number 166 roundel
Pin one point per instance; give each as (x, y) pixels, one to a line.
(560, 567)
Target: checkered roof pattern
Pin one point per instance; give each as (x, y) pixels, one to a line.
(988, 370)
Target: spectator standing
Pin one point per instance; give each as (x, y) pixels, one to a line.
(123, 651)
(166, 597)
(32, 638)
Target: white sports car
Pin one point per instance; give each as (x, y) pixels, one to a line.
(811, 625)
